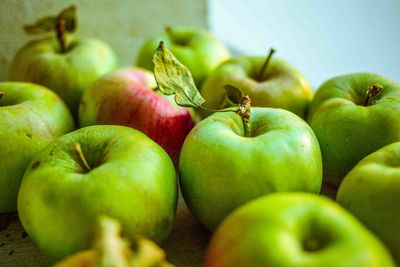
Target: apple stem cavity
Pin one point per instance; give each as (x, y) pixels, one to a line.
(81, 157)
(372, 92)
(171, 34)
(311, 245)
(265, 65)
(1, 94)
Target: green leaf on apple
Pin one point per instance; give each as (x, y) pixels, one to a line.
(69, 15)
(47, 24)
(42, 25)
(174, 78)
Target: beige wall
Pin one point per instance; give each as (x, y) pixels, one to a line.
(124, 24)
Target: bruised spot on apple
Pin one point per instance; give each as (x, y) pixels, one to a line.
(35, 165)
(126, 97)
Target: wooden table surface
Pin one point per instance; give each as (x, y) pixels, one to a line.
(185, 247)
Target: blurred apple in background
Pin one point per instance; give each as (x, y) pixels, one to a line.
(371, 191)
(294, 230)
(31, 116)
(197, 49)
(67, 64)
(352, 116)
(270, 82)
(129, 97)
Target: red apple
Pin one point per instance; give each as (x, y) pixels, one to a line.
(129, 97)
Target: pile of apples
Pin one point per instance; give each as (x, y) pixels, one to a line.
(252, 150)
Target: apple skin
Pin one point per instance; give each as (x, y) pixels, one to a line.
(31, 116)
(282, 86)
(371, 191)
(132, 180)
(126, 97)
(274, 231)
(68, 74)
(222, 169)
(347, 130)
(196, 48)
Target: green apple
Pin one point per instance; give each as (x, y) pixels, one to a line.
(294, 230)
(197, 49)
(371, 191)
(67, 65)
(352, 116)
(221, 168)
(276, 84)
(98, 170)
(238, 154)
(31, 116)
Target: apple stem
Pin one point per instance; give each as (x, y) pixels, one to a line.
(372, 91)
(79, 153)
(244, 112)
(170, 32)
(265, 65)
(60, 29)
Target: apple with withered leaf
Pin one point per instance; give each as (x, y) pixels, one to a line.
(196, 48)
(68, 64)
(238, 154)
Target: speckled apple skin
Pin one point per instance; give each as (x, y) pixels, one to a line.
(31, 116)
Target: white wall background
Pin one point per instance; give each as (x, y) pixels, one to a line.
(321, 38)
